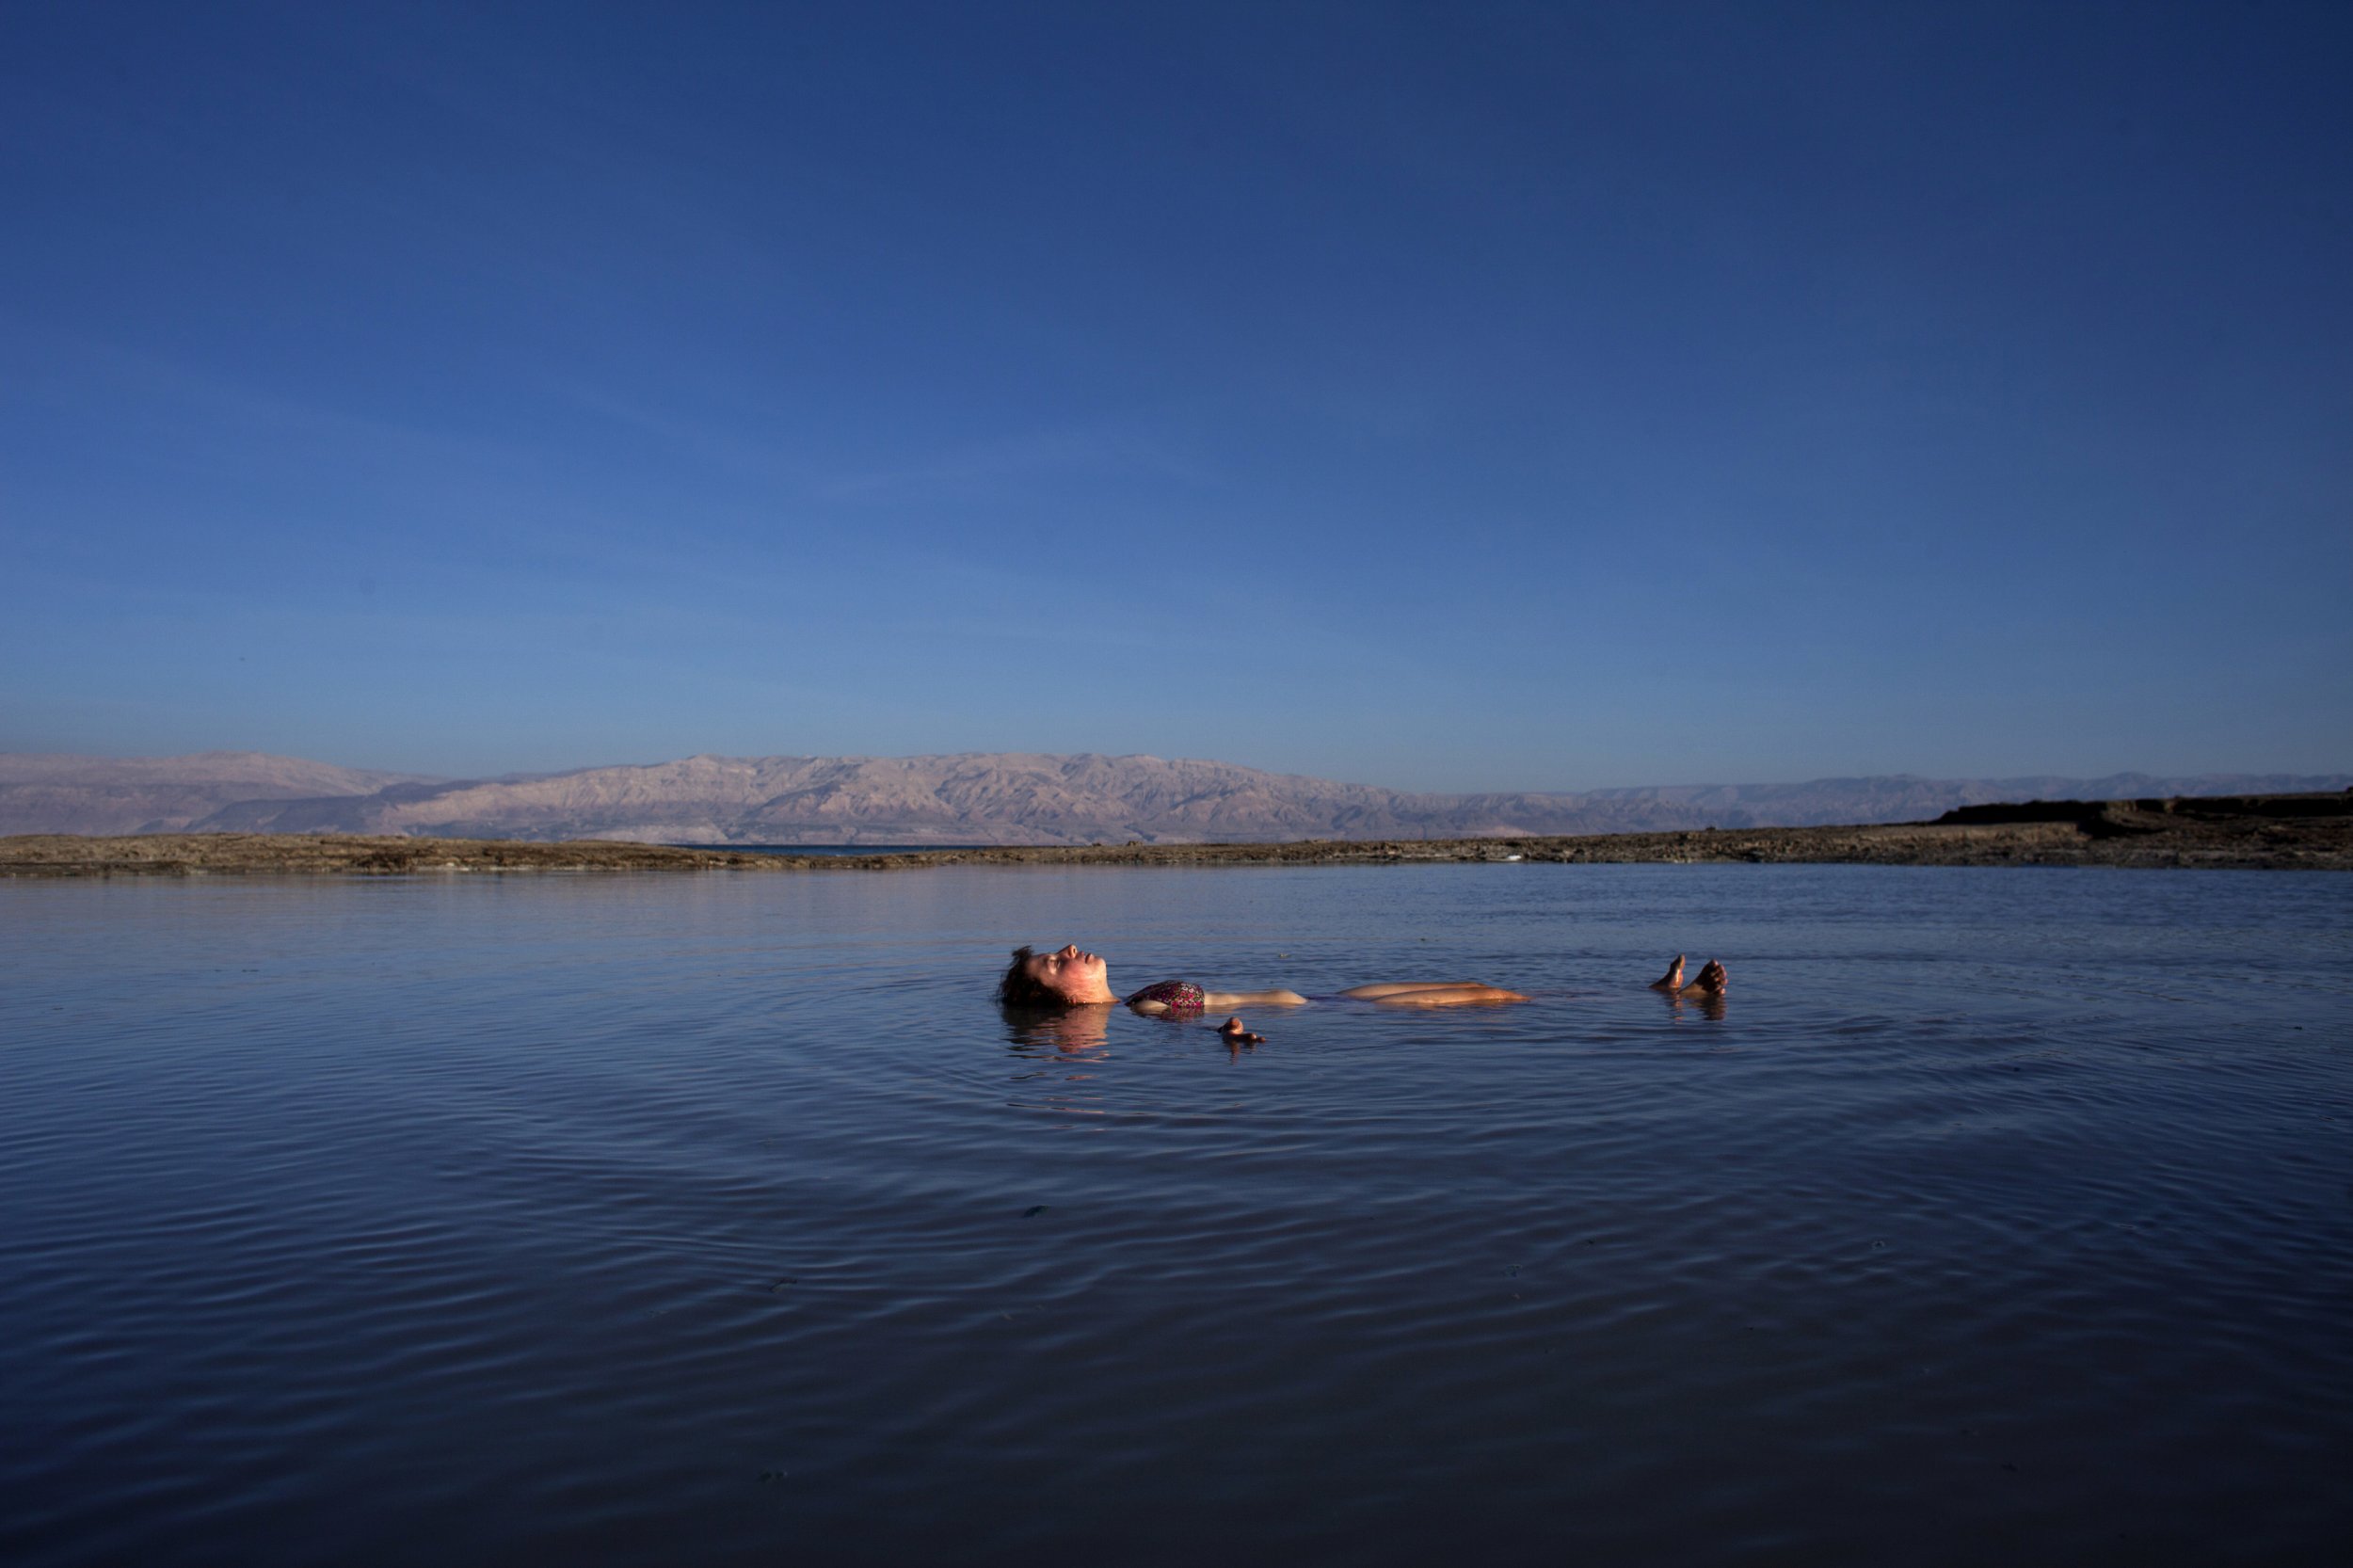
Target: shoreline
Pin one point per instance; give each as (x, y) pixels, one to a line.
(2248, 832)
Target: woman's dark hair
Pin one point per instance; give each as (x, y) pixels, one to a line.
(1020, 989)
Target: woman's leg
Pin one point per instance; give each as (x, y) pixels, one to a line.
(1446, 996)
(1394, 987)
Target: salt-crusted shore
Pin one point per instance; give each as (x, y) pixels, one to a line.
(2309, 832)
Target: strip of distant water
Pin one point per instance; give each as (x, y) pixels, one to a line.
(830, 849)
(1996, 1216)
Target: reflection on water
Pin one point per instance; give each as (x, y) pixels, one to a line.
(1709, 1007)
(1078, 1031)
(1065, 1032)
(1993, 1215)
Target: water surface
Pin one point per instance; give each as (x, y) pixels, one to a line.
(724, 1218)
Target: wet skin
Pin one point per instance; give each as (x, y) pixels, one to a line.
(1083, 980)
(1711, 984)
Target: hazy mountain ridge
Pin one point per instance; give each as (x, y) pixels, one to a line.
(998, 798)
(162, 795)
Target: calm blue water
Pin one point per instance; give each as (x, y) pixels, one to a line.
(2000, 1215)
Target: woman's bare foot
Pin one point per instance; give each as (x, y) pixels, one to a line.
(1671, 981)
(1711, 983)
(1236, 1035)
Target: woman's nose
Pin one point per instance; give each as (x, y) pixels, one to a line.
(1071, 950)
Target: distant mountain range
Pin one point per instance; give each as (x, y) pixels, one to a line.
(991, 799)
(156, 794)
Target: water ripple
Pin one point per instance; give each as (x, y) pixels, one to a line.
(1997, 1214)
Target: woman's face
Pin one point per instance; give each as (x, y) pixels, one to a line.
(1072, 975)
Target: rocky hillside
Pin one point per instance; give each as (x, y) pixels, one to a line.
(997, 798)
(163, 794)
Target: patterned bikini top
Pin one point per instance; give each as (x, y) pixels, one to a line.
(1177, 996)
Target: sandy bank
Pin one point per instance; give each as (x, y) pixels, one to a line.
(2313, 832)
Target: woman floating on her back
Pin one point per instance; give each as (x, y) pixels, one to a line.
(1072, 977)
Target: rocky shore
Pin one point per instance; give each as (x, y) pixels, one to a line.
(2261, 832)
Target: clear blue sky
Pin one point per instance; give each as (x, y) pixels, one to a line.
(1447, 396)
